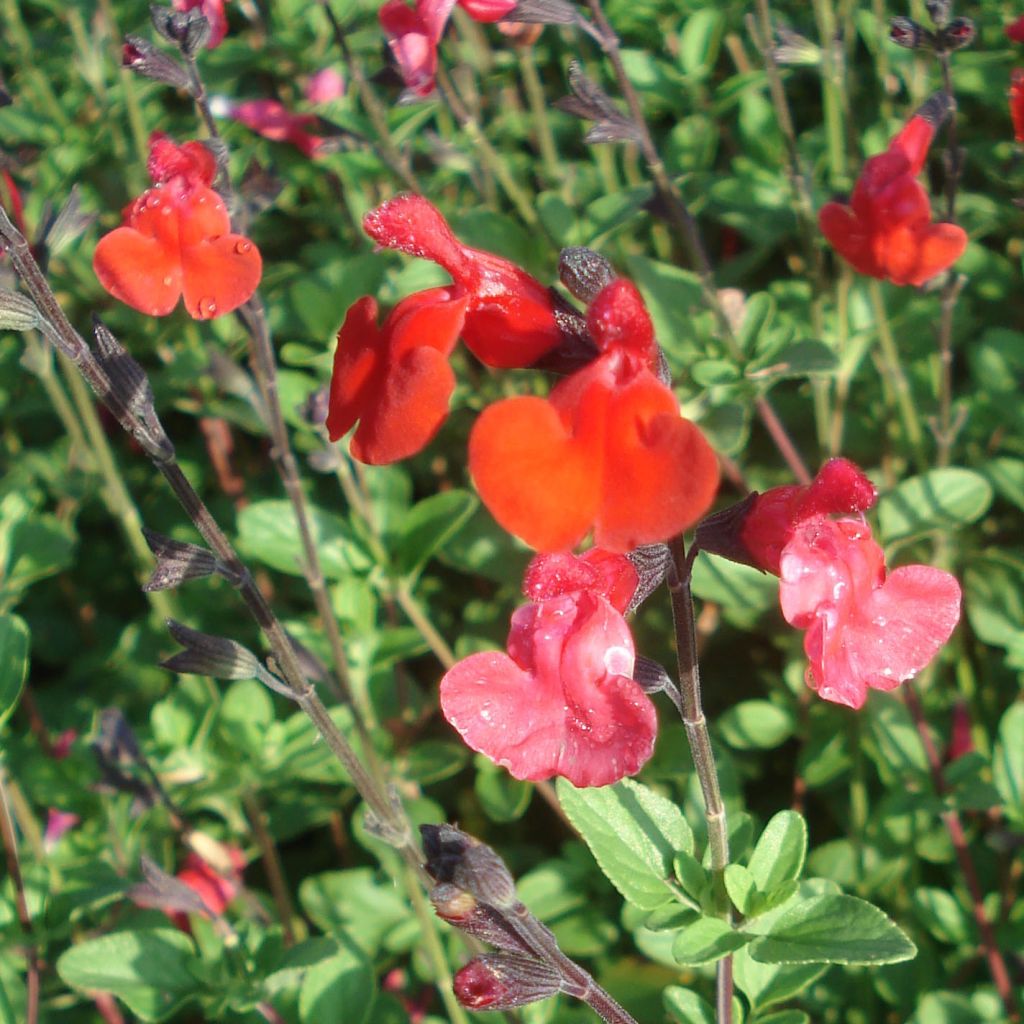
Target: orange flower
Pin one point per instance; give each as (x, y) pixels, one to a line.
(176, 240)
(886, 231)
(608, 451)
(395, 379)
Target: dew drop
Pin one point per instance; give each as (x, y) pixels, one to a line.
(168, 281)
(243, 247)
(207, 307)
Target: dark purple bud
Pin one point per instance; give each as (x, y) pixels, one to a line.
(462, 910)
(909, 34)
(720, 533)
(142, 57)
(939, 11)
(188, 30)
(456, 857)
(958, 33)
(651, 563)
(936, 108)
(584, 272)
(503, 981)
(164, 892)
(589, 102)
(206, 655)
(653, 678)
(176, 561)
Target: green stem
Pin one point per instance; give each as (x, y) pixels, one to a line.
(553, 173)
(832, 81)
(894, 371)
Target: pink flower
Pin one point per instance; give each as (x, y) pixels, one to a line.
(865, 628)
(274, 121)
(63, 743)
(213, 12)
(326, 85)
(562, 701)
(414, 32)
(57, 824)
(840, 488)
(1015, 30)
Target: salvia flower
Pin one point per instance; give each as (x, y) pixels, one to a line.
(274, 121)
(58, 824)
(865, 628)
(214, 889)
(1017, 103)
(504, 981)
(1015, 30)
(394, 379)
(510, 316)
(414, 33)
(886, 231)
(562, 700)
(176, 240)
(607, 451)
(325, 85)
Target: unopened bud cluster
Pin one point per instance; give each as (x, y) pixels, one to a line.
(949, 33)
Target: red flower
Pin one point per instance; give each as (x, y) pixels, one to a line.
(394, 379)
(886, 231)
(865, 629)
(608, 450)
(414, 32)
(213, 12)
(1015, 30)
(839, 488)
(274, 121)
(510, 318)
(1017, 102)
(562, 701)
(176, 240)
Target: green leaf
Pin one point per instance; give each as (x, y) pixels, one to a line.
(341, 988)
(941, 499)
(700, 40)
(740, 885)
(633, 834)
(755, 725)
(267, 533)
(151, 972)
(691, 876)
(779, 855)
(246, 714)
(758, 314)
(502, 797)
(14, 645)
(429, 525)
(834, 930)
(801, 359)
(737, 588)
(785, 1017)
(1008, 762)
(705, 941)
(764, 984)
(942, 915)
(686, 1007)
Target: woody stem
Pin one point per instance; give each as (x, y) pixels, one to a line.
(703, 755)
(686, 226)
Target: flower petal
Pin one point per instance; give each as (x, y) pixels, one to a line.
(219, 274)
(138, 271)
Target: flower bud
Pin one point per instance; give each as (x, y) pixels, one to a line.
(463, 911)
(503, 981)
(958, 33)
(456, 857)
(584, 272)
(210, 655)
(939, 11)
(142, 57)
(909, 34)
(190, 30)
(17, 312)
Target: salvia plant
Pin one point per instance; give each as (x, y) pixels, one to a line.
(519, 512)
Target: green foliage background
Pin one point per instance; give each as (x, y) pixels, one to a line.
(420, 570)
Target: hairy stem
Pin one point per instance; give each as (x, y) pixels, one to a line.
(703, 755)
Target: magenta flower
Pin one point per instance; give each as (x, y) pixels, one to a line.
(562, 701)
(213, 12)
(274, 121)
(325, 85)
(58, 823)
(414, 32)
(866, 629)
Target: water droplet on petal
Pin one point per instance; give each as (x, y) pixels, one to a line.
(168, 281)
(243, 247)
(207, 307)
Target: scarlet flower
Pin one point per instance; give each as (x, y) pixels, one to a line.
(213, 12)
(562, 701)
(1015, 30)
(886, 231)
(607, 451)
(839, 488)
(214, 889)
(414, 32)
(274, 121)
(510, 317)
(394, 379)
(1017, 102)
(176, 240)
(865, 628)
